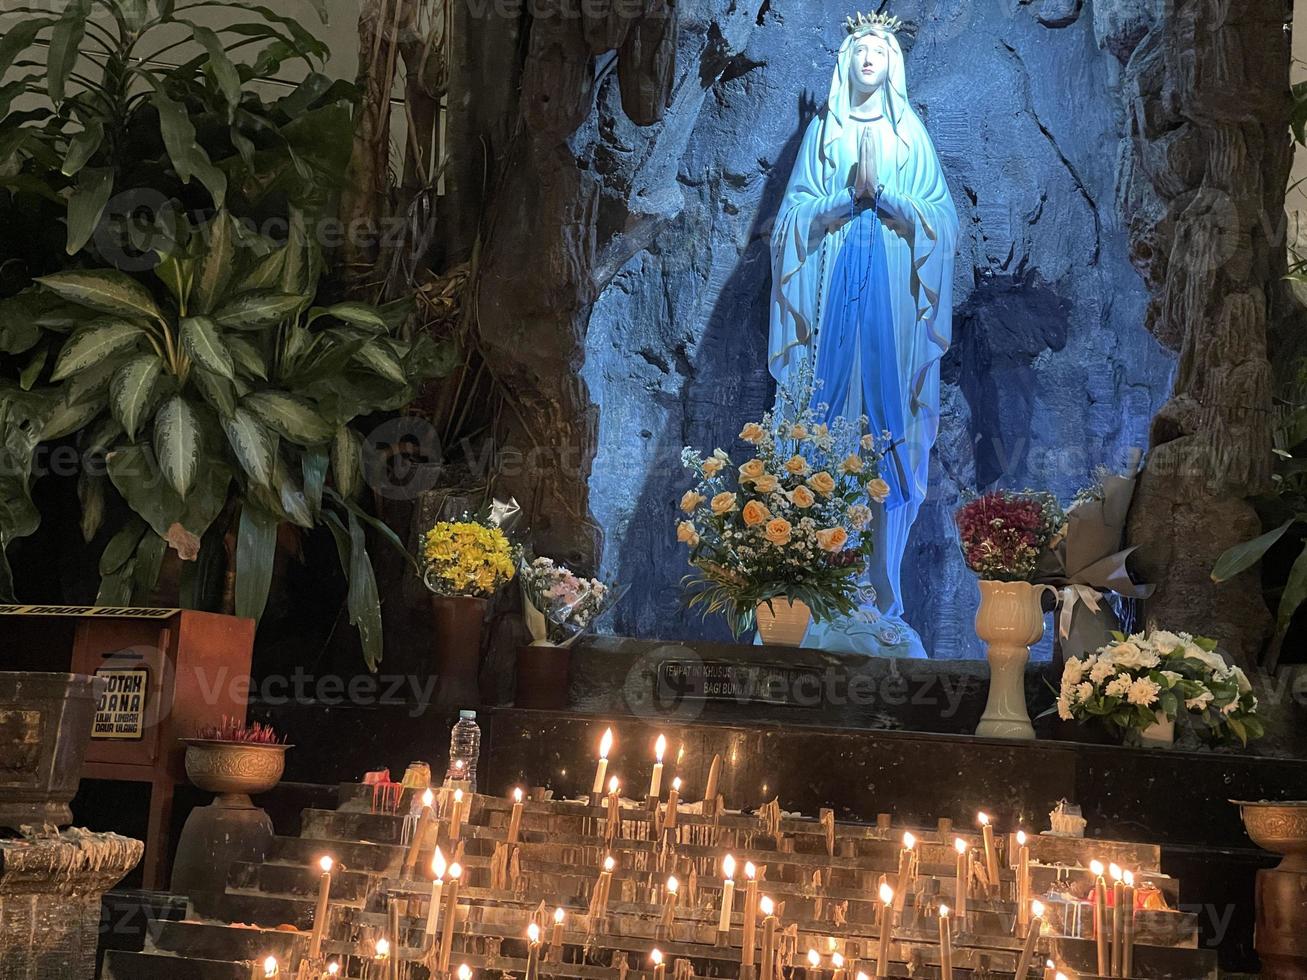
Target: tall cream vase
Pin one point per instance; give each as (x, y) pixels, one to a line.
(1009, 620)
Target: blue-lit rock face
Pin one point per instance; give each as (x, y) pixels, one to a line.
(1052, 373)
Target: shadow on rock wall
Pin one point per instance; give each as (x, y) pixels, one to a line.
(1052, 373)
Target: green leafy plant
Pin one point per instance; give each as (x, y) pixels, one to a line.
(216, 389)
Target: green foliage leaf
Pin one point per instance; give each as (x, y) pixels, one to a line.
(86, 206)
(224, 72)
(177, 443)
(189, 159)
(1295, 592)
(256, 549)
(347, 462)
(382, 362)
(247, 357)
(362, 600)
(255, 310)
(217, 391)
(145, 569)
(176, 272)
(121, 547)
(83, 146)
(103, 290)
(1244, 556)
(91, 344)
(202, 340)
(131, 392)
(291, 416)
(214, 267)
(65, 40)
(90, 491)
(313, 467)
(65, 419)
(252, 444)
(18, 38)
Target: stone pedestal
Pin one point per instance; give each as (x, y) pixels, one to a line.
(216, 837)
(50, 891)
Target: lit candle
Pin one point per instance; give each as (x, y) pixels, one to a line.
(515, 819)
(1049, 967)
(768, 909)
(1100, 916)
(656, 780)
(456, 816)
(333, 969)
(556, 940)
(1118, 917)
(710, 792)
(451, 916)
(270, 968)
(728, 893)
(419, 835)
(605, 746)
(673, 798)
(837, 961)
(533, 952)
(669, 906)
(991, 854)
(905, 871)
(946, 945)
(1032, 939)
(814, 965)
(614, 808)
(1128, 953)
(660, 968)
(464, 972)
(886, 928)
(437, 887)
(320, 911)
(599, 904)
(750, 913)
(1023, 880)
(382, 950)
(963, 887)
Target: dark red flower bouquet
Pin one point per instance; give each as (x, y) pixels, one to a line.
(1005, 533)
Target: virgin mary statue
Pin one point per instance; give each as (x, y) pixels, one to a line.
(862, 271)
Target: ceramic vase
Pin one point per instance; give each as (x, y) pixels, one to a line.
(783, 622)
(1009, 620)
(1160, 734)
(456, 642)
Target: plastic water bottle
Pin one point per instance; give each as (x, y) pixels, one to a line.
(464, 750)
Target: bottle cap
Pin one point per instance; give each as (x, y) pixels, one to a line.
(467, 714)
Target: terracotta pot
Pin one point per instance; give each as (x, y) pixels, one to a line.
(542, 677)
(1281, 929)
(783, 622)
(45, 727)
(234, 770)
(456, 644)
(1009, 620)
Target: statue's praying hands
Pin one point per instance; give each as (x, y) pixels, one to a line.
(866, 182)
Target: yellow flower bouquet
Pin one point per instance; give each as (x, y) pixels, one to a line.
(467, 558)
(790, 522)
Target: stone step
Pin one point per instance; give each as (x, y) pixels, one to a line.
(352, 854)
(372, 828)
(218, 941)
(124, 965)
(267, 910)
(302, 881)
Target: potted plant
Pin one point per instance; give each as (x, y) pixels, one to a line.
(1003, 535)
(1139, 687)
(783, 537)
(559, 607)
(464, 563)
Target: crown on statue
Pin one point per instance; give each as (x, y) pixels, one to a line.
(866, 23)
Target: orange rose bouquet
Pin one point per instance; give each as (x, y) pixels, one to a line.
(791, 521)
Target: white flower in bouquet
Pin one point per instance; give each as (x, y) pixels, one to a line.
(1213, 660)
(1143, 692)
(1084, 691)
(1074, 671)
(1245, 685)
(1199, 701)
(1118, 687)
(1103, 669)
(1164, 641)
(1134, 655)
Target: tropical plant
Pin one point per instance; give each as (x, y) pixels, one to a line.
(218, 389)
(103, 110)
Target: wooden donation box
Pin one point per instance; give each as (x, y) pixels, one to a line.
(170, 672)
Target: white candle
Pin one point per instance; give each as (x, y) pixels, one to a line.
(669, 905)
(464, 972)
(1023, 880)
(419, 834)
(728, 893)
(673, 798)
(750, 913)
(556, 940)
(515, 819)
(605, 746)
(886, 928)
(451, 917)
(905, 871)
(333, 968)
(814, 965)
(270, 968)
(963, 887)
(660, 968)
(656, 780)
(1100, 916)
(600, 898)
(837, 961)
(1032, 938)
(991, 853)
(1118, 918)
(1128, 952)
(437, 887)
(946, 946)
(533, 952)
(320, 912)
(768, 910)
(456, 816)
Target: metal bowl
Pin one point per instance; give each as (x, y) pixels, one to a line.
(1279, 827)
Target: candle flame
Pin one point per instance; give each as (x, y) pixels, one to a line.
(459, 763)
(660, 747)
(613, 785)
(837, 961)
(814, 958)
(456, 871)
(1059, 976)
(657, 956)
(517, 794)
(438, 863)
(606, 743)
(673, 884)
(458, 796)
(1096, 867)
(270, 966)
(766, 905)
(909, 841)
(383, 948)
(1130, 879)
(676, 784)
(886, 893)
(326, 863)
(533, 933)
(1115, 871)
(333, 968)
(749, 870)
(1037, 909)
(960, 845)
(464, 972)
(983, 817)
(559, 915)
(428, 798)
(943, 911)
(1021, 838)
(728, 867)
(863, 976)
(609, 863)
